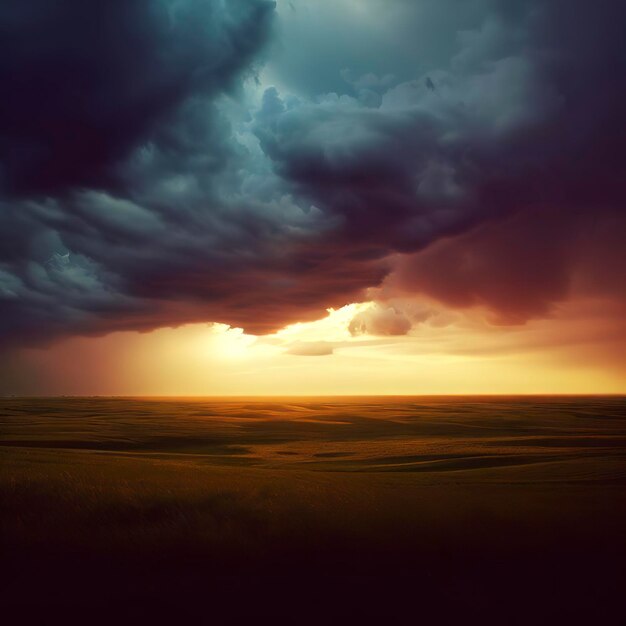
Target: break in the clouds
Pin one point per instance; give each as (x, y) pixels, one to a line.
(169, 161)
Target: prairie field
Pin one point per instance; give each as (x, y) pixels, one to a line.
(433, 510)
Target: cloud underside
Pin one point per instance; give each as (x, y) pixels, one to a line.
(171, 162)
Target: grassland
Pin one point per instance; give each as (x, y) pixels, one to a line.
(429, 510)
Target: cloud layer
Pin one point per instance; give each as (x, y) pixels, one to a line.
(172, 161)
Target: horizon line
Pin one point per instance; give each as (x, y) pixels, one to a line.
(310, 396)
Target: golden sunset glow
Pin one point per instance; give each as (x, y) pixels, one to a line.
(312, 312)
(449, 353)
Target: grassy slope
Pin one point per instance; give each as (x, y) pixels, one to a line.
(323, 511)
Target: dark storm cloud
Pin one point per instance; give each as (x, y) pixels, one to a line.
(84, 82)
(526, 119)
(109, 145)
(519, 267)
(143, 186)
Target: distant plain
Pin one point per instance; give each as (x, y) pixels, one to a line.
(507, 510)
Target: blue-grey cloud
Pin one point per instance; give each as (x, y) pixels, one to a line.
(147, 180)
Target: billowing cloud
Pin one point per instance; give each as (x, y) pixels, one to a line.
(86, 84)
(380, 320)
(168, 161)
(520, 267)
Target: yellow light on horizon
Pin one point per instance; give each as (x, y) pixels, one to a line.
(464, 356)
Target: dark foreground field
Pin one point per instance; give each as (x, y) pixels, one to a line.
(409, 511)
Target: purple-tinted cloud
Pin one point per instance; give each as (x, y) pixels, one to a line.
(141, 185)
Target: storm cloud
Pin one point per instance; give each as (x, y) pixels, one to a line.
(172, 161)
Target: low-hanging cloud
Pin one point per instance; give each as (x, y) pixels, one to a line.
(519, 267)
(380, 320)
(311, 348)
(142, 184)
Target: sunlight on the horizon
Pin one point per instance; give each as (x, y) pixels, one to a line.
(224, 342)
(229, 343)
(463, 354)
(333, 327)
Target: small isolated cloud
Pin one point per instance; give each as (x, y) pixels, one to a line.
(311, 348)
(380, 320)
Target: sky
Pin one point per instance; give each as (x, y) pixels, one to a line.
(245, 197)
